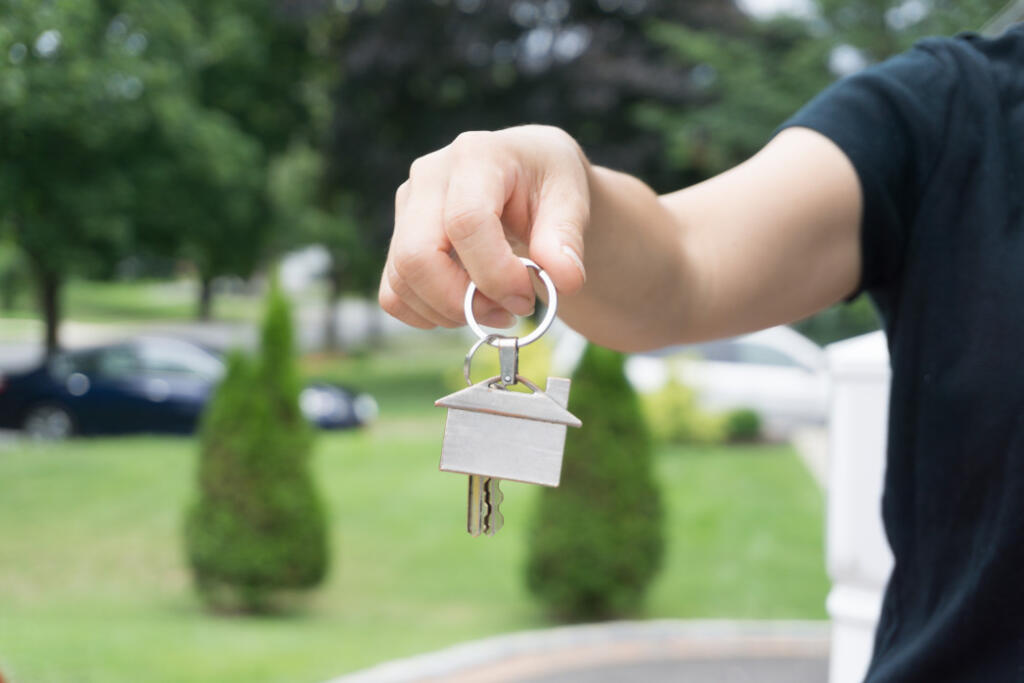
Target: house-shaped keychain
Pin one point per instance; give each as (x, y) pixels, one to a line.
(495, 432)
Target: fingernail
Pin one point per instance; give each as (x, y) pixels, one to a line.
(571, 253)
(498, 319)
(519, 305)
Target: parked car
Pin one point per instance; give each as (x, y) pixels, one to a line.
(148, 384)
(778, 372)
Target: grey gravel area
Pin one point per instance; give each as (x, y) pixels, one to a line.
(649, 651)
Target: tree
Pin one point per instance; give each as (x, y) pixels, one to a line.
(468, 65)
(245, 66)
(597, 540)
(309, 214)
(73, 107)
(258, 527)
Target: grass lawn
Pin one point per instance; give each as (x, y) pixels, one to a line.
(93, 587)
(134, 300)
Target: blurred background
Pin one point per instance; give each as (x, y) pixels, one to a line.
(179, 178)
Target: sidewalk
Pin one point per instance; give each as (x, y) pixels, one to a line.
(648, 651)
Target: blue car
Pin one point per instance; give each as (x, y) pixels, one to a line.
(146, 385)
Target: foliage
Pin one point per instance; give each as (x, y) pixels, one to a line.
(882, 29)
(742, 424)
(580, 66)
(258, 527)
(134, 128)
(306, 214)
(598, 539)
(840, 322)
(749, 84)
(676, 417)
(13, 275)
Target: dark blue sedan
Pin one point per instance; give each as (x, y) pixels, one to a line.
(150, 384)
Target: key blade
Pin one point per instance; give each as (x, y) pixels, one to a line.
(476, 506)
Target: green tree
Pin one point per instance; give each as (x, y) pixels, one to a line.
(74, 102)
(452, 67)
(308, 213)
(257, 528)
(246, 69)
(597, 540)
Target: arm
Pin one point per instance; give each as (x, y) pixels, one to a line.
(770, 241)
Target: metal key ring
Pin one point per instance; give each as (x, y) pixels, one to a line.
(549, 315)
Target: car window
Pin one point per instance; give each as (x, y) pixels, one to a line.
(118, 362)
(180, 359)
(758, 354)
(65, 364)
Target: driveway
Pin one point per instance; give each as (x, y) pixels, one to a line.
(710, 651)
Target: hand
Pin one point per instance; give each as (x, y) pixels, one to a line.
(464, 212)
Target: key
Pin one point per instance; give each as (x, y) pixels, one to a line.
(493, 497)
(483, 513)
(493, 432)
(475, 512)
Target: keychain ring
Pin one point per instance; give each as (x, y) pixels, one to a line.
(549, 315)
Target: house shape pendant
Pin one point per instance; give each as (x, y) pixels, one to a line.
(493, 432)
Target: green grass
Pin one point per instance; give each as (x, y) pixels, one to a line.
(93, 586)
(138, 300)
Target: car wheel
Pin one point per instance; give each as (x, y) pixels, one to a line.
(48, 422)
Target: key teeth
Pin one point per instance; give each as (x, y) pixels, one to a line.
(494, 520)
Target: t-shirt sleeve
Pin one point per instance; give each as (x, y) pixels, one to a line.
(890, 120)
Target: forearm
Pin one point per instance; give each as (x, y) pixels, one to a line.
(768, 242)
(638, 279)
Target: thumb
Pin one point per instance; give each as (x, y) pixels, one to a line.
(556, 236)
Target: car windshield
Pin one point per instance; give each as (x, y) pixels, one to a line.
(64, 364)
(179, 358)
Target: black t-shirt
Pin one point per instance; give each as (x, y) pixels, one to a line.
(937, 138)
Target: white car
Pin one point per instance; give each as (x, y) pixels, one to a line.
(778, 372)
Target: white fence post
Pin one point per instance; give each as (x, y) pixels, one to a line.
(858, 556)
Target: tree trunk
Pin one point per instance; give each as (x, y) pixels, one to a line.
(334, 286)
(205, 305)
(49, 285)
(8, 292)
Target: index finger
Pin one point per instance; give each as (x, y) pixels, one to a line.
(477, 193)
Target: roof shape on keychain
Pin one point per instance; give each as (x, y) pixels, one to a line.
(541, 406)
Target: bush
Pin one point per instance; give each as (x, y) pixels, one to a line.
(676, 417)
(257, 528)
(597, 541)
(742, 425)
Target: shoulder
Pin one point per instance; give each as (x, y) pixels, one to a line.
(975, 60)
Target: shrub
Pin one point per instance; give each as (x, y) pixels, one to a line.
(742, 424)
(597, 541)
(676, 417)
(257, 528)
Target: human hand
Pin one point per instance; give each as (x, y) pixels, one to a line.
(464, 212)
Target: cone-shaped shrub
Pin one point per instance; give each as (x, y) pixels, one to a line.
(597, 540)
(257, 528)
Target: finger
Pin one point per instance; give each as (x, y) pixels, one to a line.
(422, 272)
(476, 196)
(562, 214)
(408, 295)
(396, 307)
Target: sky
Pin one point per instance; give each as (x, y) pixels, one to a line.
(766, 8)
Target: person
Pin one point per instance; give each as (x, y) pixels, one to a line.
(905, 180)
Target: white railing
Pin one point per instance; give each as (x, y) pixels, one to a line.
(858, 556)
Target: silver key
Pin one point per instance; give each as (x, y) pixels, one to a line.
(483, 514)
(494, 433)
